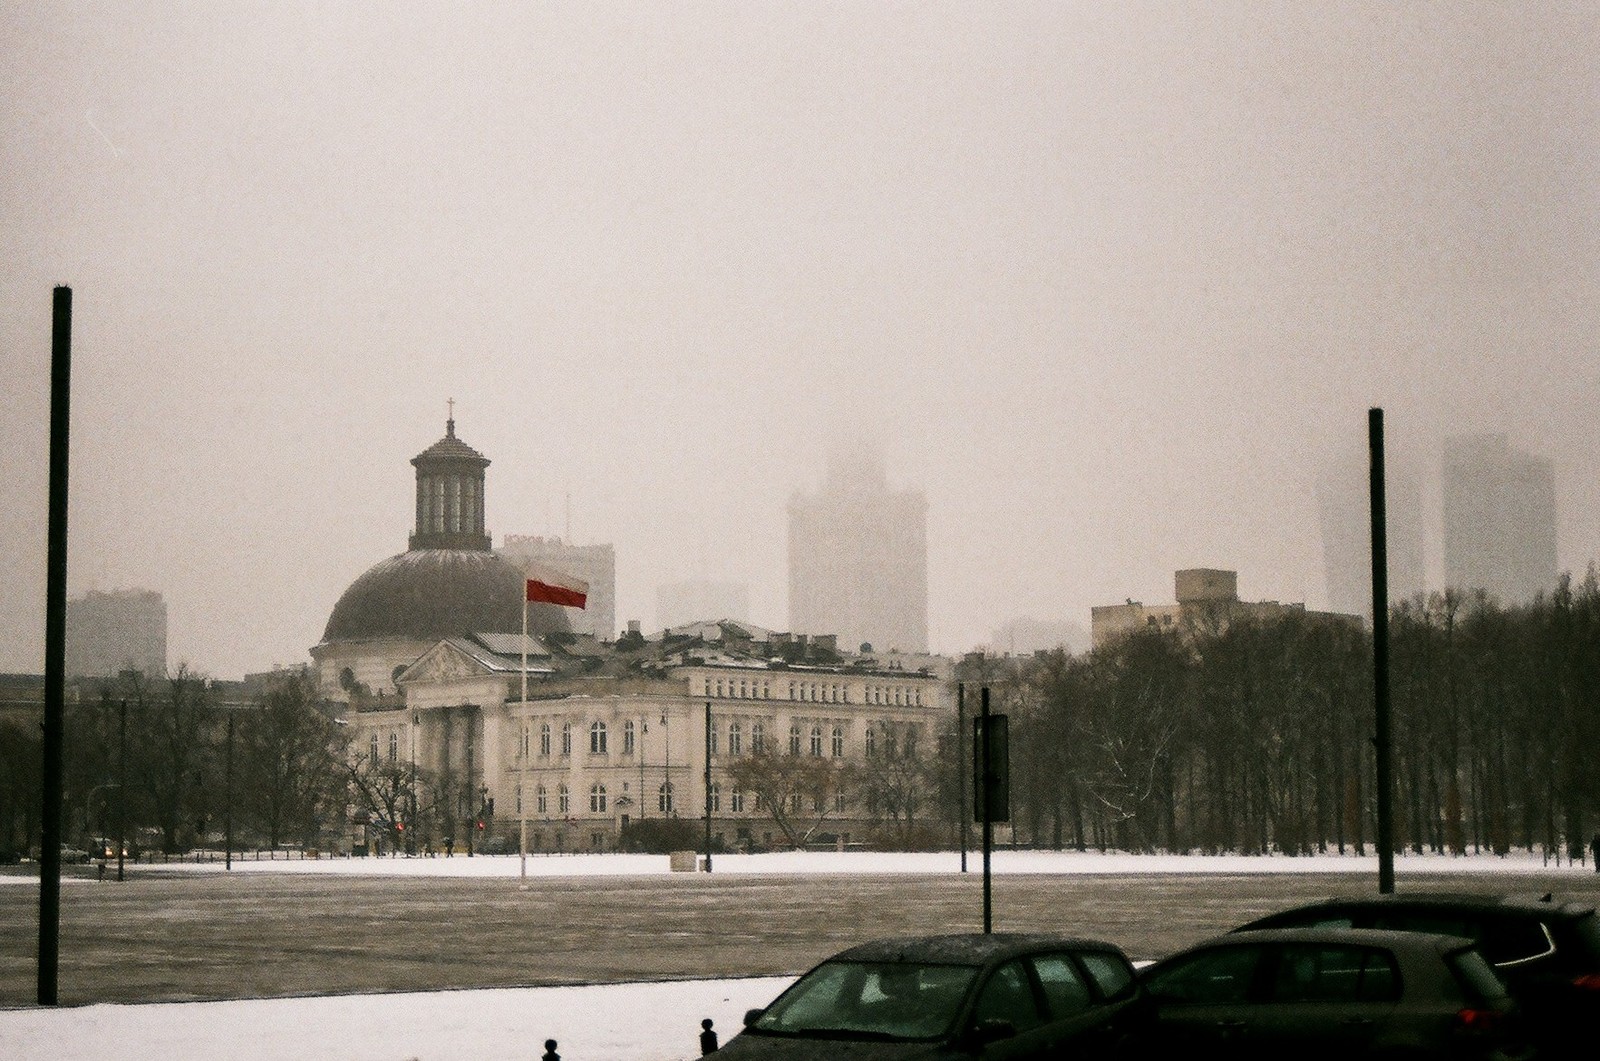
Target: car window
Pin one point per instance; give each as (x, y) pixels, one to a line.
(1008, 997)
(1216, 976)
(1318, 972)
(1110, 973)
(902, 1000)
(1065, 992)
(1580, 943)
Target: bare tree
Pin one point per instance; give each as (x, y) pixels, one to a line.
(799, 792)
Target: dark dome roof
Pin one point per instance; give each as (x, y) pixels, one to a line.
(437, 593)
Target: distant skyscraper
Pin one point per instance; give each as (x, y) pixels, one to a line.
(1344, 508)
(1499, 519)
(595, 564)
(111, 632)
(696, 601)
(858, 559)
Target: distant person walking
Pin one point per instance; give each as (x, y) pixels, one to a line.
(1594, 851)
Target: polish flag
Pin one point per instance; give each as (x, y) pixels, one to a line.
(548, 586)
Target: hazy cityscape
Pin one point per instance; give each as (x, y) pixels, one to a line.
(635, 436)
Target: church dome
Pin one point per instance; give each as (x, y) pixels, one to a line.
(428, 594)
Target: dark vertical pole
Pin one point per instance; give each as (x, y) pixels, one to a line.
(708, 786)
(961, 767)
(227, 812)
(981, 782)
(122, 783)
(1380, 656)
(55, 640)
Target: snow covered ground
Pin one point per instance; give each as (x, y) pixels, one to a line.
(853, 862)
(616, 1022)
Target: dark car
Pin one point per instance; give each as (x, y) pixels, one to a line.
(1000, 996)
(1547, 952)
(1330, 993)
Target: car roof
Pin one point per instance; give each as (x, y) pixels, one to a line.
(967, 948)
(1376, 937)
(1542, 905)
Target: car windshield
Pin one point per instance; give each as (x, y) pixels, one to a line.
(871, 1000)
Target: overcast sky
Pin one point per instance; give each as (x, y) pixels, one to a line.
(1105, 281)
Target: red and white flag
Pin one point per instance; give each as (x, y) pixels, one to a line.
(548, 586)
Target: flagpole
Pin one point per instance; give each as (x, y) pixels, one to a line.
(522, 775)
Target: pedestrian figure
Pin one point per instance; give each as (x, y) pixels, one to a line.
(1594, 849)
(550, 1051)
(449, 847)
(708, 1038)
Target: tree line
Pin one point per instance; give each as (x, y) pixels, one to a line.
(1255, 734)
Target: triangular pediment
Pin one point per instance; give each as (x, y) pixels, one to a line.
(442, 663)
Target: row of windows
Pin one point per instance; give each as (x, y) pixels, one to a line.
(813, 692)
(599, 800)
(598, 743)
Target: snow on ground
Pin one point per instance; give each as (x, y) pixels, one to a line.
(863, 862)
(615, 1022)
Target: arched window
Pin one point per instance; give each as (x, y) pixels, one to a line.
(519, 799)
(736, 801)
(714, 798)
(597, 738)
(711, 738)
(372, 748)
(758, 738)
(664, 798)
(816, 740)
(522, 742)
(742, 689)
(838, 742)
(394, 747)
(564, 798)
(719, 686)
(597, 799)
(838, 802)
(544, 738)
(627, 737)
(735, 739)
(541, 800)
(888, 742)
(872, 741)
(910, 744)
(794, 740)
(566, 738)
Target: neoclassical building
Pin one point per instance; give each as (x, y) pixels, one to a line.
(611, 734)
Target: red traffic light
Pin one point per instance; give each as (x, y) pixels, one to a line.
(399, 827)
(480, 825)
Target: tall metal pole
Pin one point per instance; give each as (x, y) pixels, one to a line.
(55, 637)
(122, 783)
(981, 783)
(227, 814)
(708, 786)
(1380, 656)
(961, 767)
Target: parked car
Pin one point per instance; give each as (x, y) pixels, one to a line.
(1547, 952)
(1000, 996)
(1330, 993)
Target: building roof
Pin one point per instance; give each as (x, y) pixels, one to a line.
(429, 594)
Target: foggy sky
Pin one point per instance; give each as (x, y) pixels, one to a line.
(1104, 281)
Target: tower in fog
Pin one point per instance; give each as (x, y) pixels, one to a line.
(1344, 512)
(858, 558)
(1499, 519)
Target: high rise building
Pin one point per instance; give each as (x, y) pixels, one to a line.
(858, 559)
(111, 632)
(698, 600)
(595, 564)
(1499, 519)
(1344, 510)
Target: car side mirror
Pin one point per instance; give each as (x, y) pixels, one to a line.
(989, 1031)
(753, 1015)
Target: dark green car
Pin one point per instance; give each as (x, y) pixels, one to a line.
(1000, 997)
